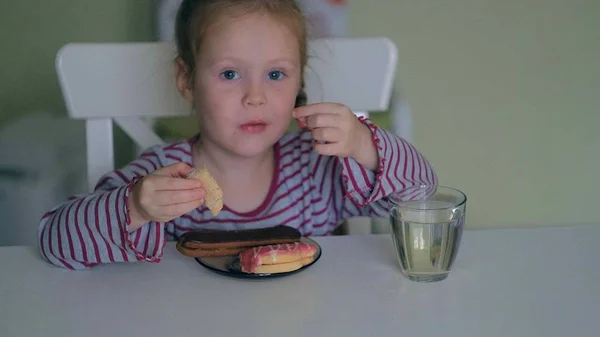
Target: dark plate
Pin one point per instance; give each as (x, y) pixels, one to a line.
(230, 265)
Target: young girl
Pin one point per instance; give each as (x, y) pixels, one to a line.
(240, 65)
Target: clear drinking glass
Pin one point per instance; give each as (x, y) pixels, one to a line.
(427, 226)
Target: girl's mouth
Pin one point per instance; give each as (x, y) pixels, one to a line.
(254, 127)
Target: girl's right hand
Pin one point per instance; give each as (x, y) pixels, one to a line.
(163, 195)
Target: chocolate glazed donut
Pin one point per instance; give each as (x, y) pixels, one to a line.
(205, 243)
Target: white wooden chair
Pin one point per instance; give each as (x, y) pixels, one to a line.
(128, 83)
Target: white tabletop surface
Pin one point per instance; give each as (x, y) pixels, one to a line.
(512, 282)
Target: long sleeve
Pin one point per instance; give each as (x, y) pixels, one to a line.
(351, 190)
(91, 229)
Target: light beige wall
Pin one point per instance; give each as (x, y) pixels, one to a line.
(506, 97)
(32, 31)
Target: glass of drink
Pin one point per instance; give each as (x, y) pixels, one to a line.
(427, 226)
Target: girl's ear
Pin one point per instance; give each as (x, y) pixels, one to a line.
(184, 79)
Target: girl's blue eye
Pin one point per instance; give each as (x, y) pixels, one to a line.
(276, 75)
(230, 74)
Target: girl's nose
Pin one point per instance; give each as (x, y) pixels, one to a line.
(255, 95)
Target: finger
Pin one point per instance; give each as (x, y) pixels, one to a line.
(329, 149)
(301, 123)
(322, 120)
(317, 108)
(183, 208)
(165, 198)
(175, 184)
(175, 170)
(331, 135)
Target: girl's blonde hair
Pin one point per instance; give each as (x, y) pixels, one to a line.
(196, 17)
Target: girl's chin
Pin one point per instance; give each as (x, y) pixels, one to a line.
(251, 150)
(248, 146)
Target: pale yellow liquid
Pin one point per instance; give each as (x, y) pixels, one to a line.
(427, 240)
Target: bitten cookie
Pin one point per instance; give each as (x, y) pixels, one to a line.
(214, 194)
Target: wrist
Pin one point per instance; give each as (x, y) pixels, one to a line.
(366, 151)
(136, 219)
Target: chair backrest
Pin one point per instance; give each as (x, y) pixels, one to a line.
(125, 83)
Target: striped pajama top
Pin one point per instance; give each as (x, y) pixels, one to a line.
(310, 192)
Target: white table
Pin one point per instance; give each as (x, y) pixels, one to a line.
(517, 282)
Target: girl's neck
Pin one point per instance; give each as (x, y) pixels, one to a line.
(230, 167)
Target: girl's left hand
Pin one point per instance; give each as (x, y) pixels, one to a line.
(338, 132)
